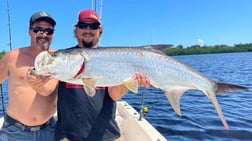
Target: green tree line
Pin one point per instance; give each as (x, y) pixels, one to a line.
(196, 49)
(2, 53)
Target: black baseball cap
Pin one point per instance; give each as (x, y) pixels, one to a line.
(42, 16)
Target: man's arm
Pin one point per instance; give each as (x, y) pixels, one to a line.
(117, 92)
(4, 67)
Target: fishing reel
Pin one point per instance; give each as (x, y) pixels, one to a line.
(144, 109)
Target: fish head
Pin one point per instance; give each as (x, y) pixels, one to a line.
(41, 63)
(61, 64)
(50, 63)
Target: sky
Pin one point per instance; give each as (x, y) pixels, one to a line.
(135, 22)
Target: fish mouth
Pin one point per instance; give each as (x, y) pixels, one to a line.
(42, 60)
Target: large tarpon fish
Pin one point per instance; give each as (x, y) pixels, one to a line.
(99, 67)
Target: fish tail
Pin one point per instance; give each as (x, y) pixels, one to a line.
(225, 88)
(220, 89)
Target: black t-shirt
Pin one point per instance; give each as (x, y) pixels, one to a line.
(85, 118)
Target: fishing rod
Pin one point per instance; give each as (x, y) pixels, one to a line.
(9, 24)
(10, 47)
(94, 7)
(100, 9)
(144, 109)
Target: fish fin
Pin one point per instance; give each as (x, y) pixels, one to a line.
(225, 88)
(174, 96)
(89, 90)
(132, 85)
(214, 101)
(220, 89)
(160, 47)
(89, 85)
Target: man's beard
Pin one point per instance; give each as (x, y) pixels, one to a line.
(87, 44)
(45, 45)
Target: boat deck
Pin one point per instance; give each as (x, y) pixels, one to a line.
(133, 129)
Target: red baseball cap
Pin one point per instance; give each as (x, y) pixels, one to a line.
(89, 14)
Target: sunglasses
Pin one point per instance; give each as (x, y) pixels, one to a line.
(40, 30)
(92, 26)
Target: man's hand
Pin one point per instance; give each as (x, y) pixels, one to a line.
(117, 92)
(36, 80)
(43, 85)
(142, 80)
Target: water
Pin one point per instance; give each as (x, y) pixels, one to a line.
(3, 97)
(199, 119)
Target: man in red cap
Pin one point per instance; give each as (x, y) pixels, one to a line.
(29, 114)
(85, 118)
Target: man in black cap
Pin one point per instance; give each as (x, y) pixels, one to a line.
(29, 114)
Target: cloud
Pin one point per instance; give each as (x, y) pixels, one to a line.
(200, 42)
